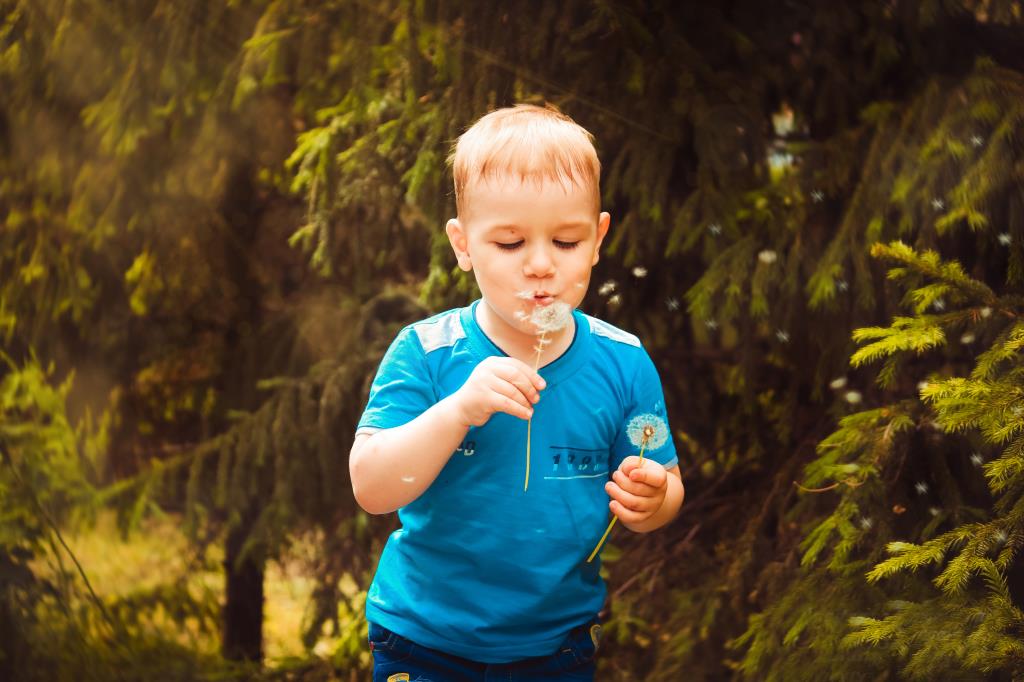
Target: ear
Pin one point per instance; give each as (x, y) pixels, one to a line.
(460, 244)
(604, 221)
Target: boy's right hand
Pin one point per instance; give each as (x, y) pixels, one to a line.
(498, 384)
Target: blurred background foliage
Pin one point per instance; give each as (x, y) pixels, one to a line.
(216, 214)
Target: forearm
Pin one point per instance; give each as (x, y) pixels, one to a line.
(393, 467)
(668, 510)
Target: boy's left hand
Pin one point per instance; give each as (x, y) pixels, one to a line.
(637, 492)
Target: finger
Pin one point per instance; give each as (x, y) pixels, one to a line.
(628, 500)
(654, 476)
(535, 379)
(515, 391)
(503, 403)
(517, 375)
(627, 515)
(635, 487)
(629, 463)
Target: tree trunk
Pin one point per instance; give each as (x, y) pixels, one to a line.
(243, 610)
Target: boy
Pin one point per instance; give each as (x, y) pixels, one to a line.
(486, 580)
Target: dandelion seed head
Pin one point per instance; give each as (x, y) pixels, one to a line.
(853, 397)
(837, 383)
(551, 318)
(921, 487)
(647, 428)
(1005, 238)
(639, 271)
(967, 338)
(607, 288)
(615, 300)
(977, 459)
(985, 312)
(767, 256)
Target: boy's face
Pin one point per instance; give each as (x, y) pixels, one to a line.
(528, 244)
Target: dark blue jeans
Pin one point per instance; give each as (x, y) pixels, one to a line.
(397, 659)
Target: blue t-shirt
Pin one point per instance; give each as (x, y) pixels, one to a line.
(480, 568)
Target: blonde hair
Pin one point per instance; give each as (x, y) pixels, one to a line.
(530, 142)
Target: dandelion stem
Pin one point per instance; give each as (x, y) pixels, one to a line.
(529, 422)
(600, 543)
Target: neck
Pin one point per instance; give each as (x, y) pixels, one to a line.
(521, 345)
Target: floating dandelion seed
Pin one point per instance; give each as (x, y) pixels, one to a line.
(580, 285)
(977, 140)
(1000, 536)
(615, 300)
(866, 523)
(672, 303)
(921, 385)
(607, 288)
(921, 487)
(647, 430)
(817, 196)
(842, 285)
(715, 229)
(985, 312)
(967, 338)
(525, 295)
(782, 336)
(837, 383)
(639, 271)
(938, 204)
(1005, 238)
(852, 397)
(939, 304)
(934, 511)
(711, 324)
(977, 459)
(767, 256)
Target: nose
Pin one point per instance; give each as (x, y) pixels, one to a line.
(540, 262)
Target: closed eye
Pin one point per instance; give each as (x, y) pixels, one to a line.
(510, 246)
(566, 245)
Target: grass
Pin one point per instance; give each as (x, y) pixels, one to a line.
(158, 553)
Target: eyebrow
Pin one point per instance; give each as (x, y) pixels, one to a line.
(561, 226)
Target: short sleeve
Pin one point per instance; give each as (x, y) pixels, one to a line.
(402, 389)
(646, 420)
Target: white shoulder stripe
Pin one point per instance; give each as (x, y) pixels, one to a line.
(602, 328)
(440, 332)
